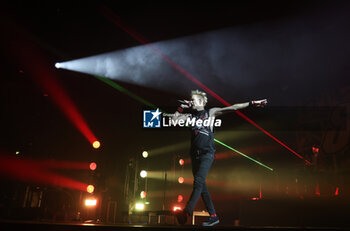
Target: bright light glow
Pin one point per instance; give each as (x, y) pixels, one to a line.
(181, 180)
(90, 202)
(180, 198)
(139, 206)
(57, 65)
(145, 154)
(143, 194)
(143, 173)
(93, 166)
(177, 208)
(181, 162)
(17, 152)
(90, 188)
(96, 144)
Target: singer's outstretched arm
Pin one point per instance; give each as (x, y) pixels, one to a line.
(217, 111)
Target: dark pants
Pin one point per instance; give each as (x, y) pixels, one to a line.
(200, 167)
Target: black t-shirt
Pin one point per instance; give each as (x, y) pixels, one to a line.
(202, 138)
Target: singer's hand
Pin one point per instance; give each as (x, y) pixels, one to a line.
(259, 103)
(186, 103)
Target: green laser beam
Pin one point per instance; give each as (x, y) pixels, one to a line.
(229, 147)
(125, 91)
(141, 100)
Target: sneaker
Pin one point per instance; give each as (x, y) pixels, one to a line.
(211, 221)
(181, 216)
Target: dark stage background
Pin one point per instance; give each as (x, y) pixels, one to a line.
(294, 54)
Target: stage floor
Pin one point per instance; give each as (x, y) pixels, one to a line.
(47, 226)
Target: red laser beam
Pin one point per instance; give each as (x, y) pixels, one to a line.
(35, 64)
(113, 18)
(271, 136)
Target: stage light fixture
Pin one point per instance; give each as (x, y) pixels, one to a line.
(180, 198)
(177, 208)
(57, 65)
(143, 173)
(181, 180)
(143, 194)
(93, 166)
(139, 206)
(90, 202)
(181, 162)
(145, 154)
(96, 144)
(90, 188)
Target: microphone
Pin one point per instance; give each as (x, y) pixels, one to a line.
(182, 101)
(185, 102)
